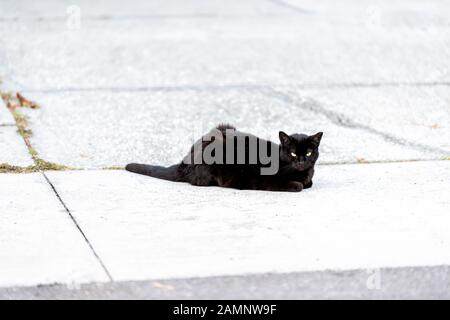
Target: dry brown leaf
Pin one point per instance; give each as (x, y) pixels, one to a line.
(24, 102)
(163, 286)
(11, 106)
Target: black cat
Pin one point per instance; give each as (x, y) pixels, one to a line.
(294, 158)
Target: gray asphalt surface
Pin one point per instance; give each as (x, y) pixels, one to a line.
(397, 283)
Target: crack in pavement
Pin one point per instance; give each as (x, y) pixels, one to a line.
(149, 88)
(291, 7)
(343, 121)
(39, 166)
(19, 170)
(239, 86)
(338, 163)
(78, 227)
(13, 103)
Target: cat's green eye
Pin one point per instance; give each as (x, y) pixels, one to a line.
(308, 154)
(293, 154)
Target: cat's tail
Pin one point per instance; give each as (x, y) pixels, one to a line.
(166, 173)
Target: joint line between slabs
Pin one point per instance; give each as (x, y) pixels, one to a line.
(78, 227)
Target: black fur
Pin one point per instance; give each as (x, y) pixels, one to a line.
(295, 172)
(159, 172)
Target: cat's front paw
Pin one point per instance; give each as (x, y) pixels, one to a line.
(295, 186)
(308, 184)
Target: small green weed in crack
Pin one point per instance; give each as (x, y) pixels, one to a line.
(7, 168)
(113, 168)
(14, 104)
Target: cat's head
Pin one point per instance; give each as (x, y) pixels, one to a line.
(299, 151)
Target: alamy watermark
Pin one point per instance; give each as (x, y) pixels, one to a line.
(73, 21)
(234, 147)
(373, 281)
(373, 18)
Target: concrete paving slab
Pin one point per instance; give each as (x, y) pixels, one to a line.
(13, 150)
(418, 115)
(395, 283)
(354, 217)
(414, 11)
(5, 116)
(104, 9)
(319, 47)
(97, 129)
(39, 243)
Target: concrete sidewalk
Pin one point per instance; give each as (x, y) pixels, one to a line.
(139, 83)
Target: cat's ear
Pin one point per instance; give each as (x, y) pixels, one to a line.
(284, 138)
(316, 137)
